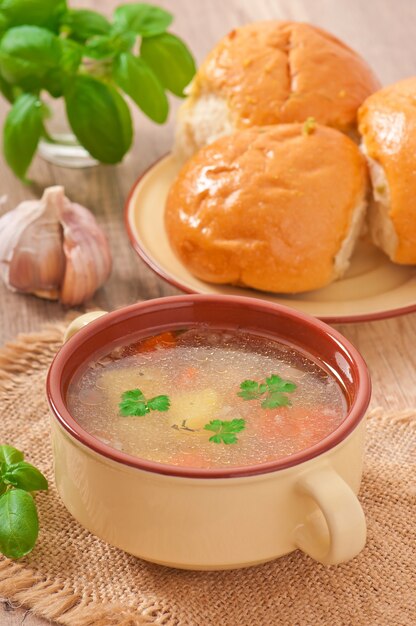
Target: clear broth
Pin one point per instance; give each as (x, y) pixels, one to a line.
(201, 370)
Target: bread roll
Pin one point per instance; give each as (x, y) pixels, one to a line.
(387, 123)
(269, 73)
(276, 208)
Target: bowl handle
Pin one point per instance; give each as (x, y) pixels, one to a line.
(343, 535)
(80, 322)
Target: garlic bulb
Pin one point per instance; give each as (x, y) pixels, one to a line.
(53, 248)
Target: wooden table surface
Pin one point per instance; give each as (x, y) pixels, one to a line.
(383, 32)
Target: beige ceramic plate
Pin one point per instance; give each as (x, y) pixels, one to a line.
(373, 288)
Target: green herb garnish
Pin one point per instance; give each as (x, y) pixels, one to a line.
(273, 391)
(133, 402)
(88, 61)
(225, 431)
(309, 126)
(19, 524)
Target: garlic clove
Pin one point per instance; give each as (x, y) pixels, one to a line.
(12, 226)
(88, 257)
(53, 248)
(38, 263)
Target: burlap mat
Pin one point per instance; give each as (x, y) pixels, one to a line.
(76, 579)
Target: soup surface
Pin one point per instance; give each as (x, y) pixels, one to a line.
(207, 398)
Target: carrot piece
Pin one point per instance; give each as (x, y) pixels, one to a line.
(190, 372)
(164, 340)
(290, 422)
(187, 375)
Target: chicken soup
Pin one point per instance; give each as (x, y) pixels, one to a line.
(207, 398)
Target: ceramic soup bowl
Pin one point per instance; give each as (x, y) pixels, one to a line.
(224, 517)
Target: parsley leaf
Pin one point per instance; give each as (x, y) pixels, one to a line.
(250, 390)
(275, 389)
(159, 403)
(225, 431)
(275, 383)
(274, 400)
(134, 403)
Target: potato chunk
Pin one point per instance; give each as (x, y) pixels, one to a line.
(194, 409)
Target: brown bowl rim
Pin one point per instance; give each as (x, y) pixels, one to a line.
(355, 414)
(177, 284)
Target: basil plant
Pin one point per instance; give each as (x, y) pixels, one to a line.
(81, 56)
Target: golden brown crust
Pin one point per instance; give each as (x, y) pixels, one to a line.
(387, 122)
(278, 72)
(267, 207)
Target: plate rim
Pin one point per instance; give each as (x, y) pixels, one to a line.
(161, 272)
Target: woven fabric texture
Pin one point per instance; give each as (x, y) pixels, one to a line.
(75, 579)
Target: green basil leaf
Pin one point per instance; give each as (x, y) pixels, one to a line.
(54, 82)
(10, 455)
(46, 13)
(4, 24)
(7, 90)
(100, 118)
(81, 24)
(19, 524)
(100, 47)
(106, 46)
(124, 42)
(144, 19)
(137, 80)
(25, 476)
(71, 56)
(27, 55)
(21, 133)
(170, 60)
